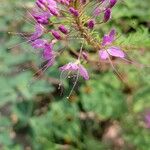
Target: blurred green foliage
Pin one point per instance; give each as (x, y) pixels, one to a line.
(103, 114)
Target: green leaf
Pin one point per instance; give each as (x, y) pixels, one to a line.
(104, 97)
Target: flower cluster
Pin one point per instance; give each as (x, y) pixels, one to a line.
(63, 20)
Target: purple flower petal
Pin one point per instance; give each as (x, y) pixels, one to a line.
(103, 54)
(109, 38)
(83, 72)
(48, 54)
(74, 67)
(116, 52)
(39, 43)
(74, 12)
(38, 32)
(69, 66)
(112, 34)
(65, 67)
(48, 51)
(52, 3)
(42, 17)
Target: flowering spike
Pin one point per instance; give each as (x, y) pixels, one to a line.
(67, 20)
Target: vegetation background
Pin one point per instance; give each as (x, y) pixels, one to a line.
(103, 114)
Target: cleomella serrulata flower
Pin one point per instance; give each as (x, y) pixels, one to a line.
(65, 21)
(107, 49)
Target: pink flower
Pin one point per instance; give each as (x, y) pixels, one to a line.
(76, 67)
(64, 1)
(110, 50)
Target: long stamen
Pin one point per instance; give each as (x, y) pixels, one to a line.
(74, 85)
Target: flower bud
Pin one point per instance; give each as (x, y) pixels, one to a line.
(112, 3)
(40, 5)
(97, 12)
(66, 2)
(53, 11)
(91, 24)
(107, 15)
(74, 11)
(42, 18)
(63, 29)
(56, 34)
